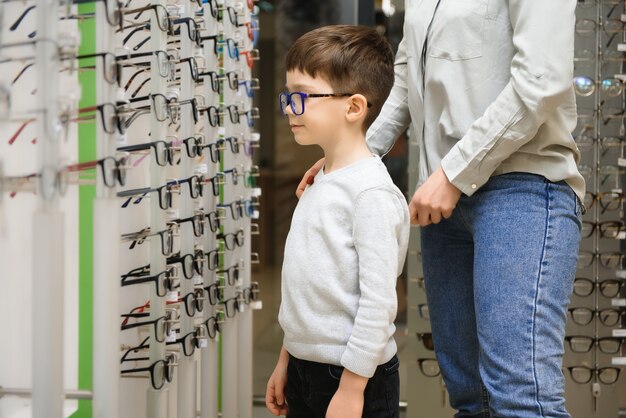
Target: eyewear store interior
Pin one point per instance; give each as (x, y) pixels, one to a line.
(133, 147)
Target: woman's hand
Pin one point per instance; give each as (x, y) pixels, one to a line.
(309, 176)
(433, 200)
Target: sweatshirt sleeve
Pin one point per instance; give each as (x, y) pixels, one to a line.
(541, 80)
(380, 232)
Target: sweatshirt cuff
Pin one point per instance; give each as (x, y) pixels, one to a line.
(466, 176)
(360, 362)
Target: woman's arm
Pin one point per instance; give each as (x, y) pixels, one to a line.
(541, 81)
(394, 117)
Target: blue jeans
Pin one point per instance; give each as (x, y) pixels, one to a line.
(498, 276)
(311, 386)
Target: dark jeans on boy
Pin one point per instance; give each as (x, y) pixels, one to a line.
(311, 386)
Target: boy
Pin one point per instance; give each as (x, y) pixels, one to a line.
(348, 237)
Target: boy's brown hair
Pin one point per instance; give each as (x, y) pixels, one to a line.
(352, 59)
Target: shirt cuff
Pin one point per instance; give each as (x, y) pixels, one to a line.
(465, 176)
(360, 362)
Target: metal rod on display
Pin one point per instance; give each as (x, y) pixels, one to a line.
(27, 393)
(106, 292)
(209, 364)
(245, 348)
(230, 329)
(156, 399)
(48, 230)
(186, 399)
(595, 386)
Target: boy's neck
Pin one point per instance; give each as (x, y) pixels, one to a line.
(345, 151)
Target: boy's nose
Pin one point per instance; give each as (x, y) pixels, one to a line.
(289, 111)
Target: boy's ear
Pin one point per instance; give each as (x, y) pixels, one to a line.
(357, 108)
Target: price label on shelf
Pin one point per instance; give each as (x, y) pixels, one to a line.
(621, 162)
(121, 140)
(203, 343)
(620, 274)
(618, 361)
(621, 235)
(171, 296)
(171, 337)
(172, 214)
(257, 305)
(619, 333)
(204, 169)
(618, 302)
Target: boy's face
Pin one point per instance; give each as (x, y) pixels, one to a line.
(323, 117)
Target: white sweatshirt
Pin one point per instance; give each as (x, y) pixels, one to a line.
(345, 249)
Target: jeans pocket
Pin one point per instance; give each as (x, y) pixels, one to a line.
(392, 389)
(335, 371)
(580, 209)
(392, 366)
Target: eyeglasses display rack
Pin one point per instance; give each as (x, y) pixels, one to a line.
(175, 207)
(35, 94)
(106, 257)
(596, 329)
(426, 392)
(595, 334)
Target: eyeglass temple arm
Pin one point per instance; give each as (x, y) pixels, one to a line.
(138, 89)
(142, 43)
(19, 131)
(15, 25)
(139, 112)
(127, 202)
(140, 98)
(130, 280)
(137, 29)
(140, 369)
(137, 324)
(22, 71)
(137, 272)
(132, 77)
(141, 346)
(137, 147)
(145, 232)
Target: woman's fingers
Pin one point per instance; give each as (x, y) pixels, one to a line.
(309, 177)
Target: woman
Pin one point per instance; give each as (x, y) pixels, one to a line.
(486, 86)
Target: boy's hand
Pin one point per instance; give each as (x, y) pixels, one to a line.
(346, 404)
(275, 399)
(309, 176)
(433, 200)
(349, 399)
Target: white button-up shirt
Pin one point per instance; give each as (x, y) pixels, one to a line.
(487, 87)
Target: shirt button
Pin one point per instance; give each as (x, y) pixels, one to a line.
(474, 186)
